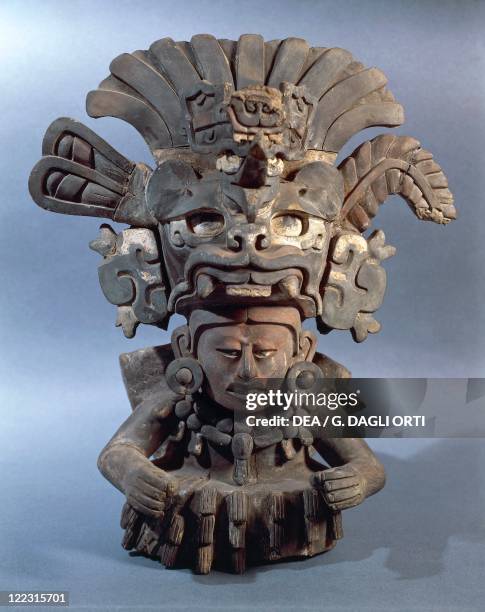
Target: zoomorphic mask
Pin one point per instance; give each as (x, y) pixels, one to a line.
(245, 205)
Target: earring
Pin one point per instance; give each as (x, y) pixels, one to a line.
(184, 375)
(303, 376)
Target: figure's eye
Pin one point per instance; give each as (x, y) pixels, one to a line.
(263, 353)
(288, 225)
(206, 223)
(229, 352)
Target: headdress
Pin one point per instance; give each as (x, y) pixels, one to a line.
(245, 205)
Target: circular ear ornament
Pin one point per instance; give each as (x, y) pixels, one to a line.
(184, 375)
(303, 376)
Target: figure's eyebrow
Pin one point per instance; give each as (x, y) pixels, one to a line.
(291, 203)
(230, 351)
(229, 344)
(265, 343)
(185, 209)
(201, 195)
(264, 349)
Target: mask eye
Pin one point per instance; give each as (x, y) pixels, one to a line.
(206, 223)
(288, 225)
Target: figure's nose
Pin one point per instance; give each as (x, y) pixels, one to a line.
(249, 236)
(247, 366)
(254, 169)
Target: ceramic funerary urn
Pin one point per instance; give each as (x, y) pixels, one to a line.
(245, 226)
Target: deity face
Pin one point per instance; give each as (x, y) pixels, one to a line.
(225, 243)
(237, 358)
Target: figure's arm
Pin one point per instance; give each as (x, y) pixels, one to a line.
(355, 472)
(124, 460)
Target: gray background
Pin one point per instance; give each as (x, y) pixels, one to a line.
(419, 545)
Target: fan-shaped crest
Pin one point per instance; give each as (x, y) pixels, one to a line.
(148, 88)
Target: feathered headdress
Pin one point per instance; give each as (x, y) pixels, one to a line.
(245, 203)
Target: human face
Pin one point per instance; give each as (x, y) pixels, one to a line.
(236, 359)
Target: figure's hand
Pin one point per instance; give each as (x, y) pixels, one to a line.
(341, 487)
(148, 489)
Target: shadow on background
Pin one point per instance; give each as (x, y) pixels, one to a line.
(430, 497)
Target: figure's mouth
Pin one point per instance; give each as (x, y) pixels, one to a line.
(247, 282)
(215, 276)
(241, 389)
(212, 285)
(240, 396)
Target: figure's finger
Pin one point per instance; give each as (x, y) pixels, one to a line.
(155, 504)
(139, 507)
(152, 502)
(347, 503)
(336, 473)
(324, 478)
(150, 490)
(155, 477)
(343, 494)
(341, 483)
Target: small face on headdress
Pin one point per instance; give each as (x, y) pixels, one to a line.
(221, 120)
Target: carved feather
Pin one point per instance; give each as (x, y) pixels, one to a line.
(213, 63)
(394, 165)
(288, 62)
(249, 61)
(170, 57)
(81, 174)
